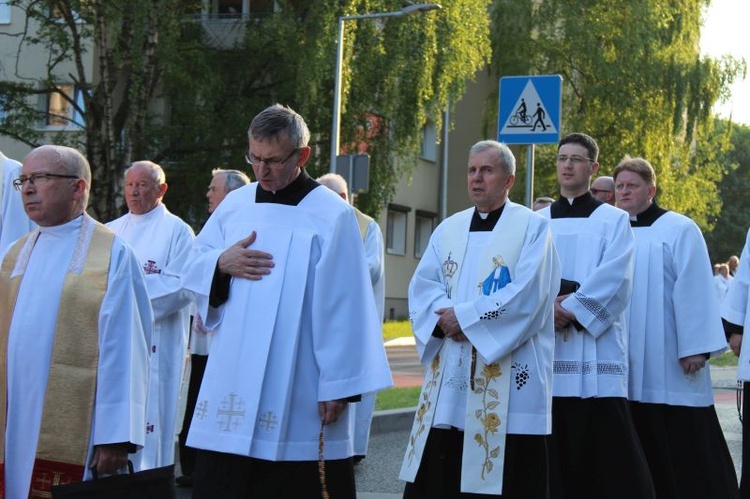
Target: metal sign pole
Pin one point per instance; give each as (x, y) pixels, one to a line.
(530, 174)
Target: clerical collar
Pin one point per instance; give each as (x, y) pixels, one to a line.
(290, 195)
(487, 222)
(647, 217)
(581, 207)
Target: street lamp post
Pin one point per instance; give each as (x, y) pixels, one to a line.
(406, 11)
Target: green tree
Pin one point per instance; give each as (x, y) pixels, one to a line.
(633, 78)
(113, 52)
(167, 88)
(730, 229)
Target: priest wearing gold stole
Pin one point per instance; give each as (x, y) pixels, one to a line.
(481, 306)
(295, 343)
(74, 326)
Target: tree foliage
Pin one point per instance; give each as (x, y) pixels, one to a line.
(633, 78)
(165, 87)
(730, 229)
(114, 53)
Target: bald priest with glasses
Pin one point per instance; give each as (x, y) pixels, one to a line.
(74, 321)
(281, 269)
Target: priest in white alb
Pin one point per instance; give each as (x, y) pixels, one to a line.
(75, 320)
(282, 262)
(13, 220)
(672, 331)
(372, 237)
(596, 450)
(222, 183)
(735, 315)
(480, 304)
(161, 242)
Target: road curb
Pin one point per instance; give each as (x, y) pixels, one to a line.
(392, 420)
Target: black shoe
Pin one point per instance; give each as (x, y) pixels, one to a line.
(184, 481)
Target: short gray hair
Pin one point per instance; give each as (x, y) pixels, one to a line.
(234, 178)
(276, 121)
(503, 154)
(335, 182)
(157, 172)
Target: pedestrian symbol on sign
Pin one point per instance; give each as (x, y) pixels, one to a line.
(523, 122)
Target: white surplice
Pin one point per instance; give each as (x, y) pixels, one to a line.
(672, 314)
(735, 308)
(361, 412)
(125, 321)
(161, 241)
(308, 332)
(597, 252)
(13, 220)
(521, 325)
(513, 323)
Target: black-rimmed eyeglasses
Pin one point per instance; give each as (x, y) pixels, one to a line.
(251, 159)
(38, 179)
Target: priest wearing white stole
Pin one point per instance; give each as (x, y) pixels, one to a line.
(672, 332)
(161, 241)
(481, 303)
(282, 262)
(372, 237)
(74, 324)
(13, 219)
(735, 314)
(596, 450)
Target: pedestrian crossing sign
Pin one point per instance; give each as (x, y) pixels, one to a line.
(529, 109)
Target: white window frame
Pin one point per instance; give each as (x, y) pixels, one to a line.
(69, 117)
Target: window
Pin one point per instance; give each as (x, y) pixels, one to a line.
(424, 224)
(61, 112)
(429, 142)
(229, 8)
(4, 12)
(235, 9)
(395, 238)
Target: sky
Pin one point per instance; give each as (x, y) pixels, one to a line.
(725, 32)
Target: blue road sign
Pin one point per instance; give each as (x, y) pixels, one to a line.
(529, 109)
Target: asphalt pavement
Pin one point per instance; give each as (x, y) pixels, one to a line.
(377, 474)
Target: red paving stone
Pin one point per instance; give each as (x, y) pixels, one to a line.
(725, 396)
(406, 381)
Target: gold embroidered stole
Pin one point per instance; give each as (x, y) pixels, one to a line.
(487, 400)
(363, 221)
(71, 387)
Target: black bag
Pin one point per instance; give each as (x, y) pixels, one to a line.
(157, 483)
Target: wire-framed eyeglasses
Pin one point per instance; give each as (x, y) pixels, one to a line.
(574, 159)
(38, 179)
(251, 159)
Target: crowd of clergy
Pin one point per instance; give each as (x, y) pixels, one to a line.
(565, 348)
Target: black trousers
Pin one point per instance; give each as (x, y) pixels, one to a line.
(596, 452)
(187, 454)
(227, 476)
(745, 478)
(525, 475)
(686, 451)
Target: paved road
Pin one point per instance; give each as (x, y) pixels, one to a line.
(377, 475)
